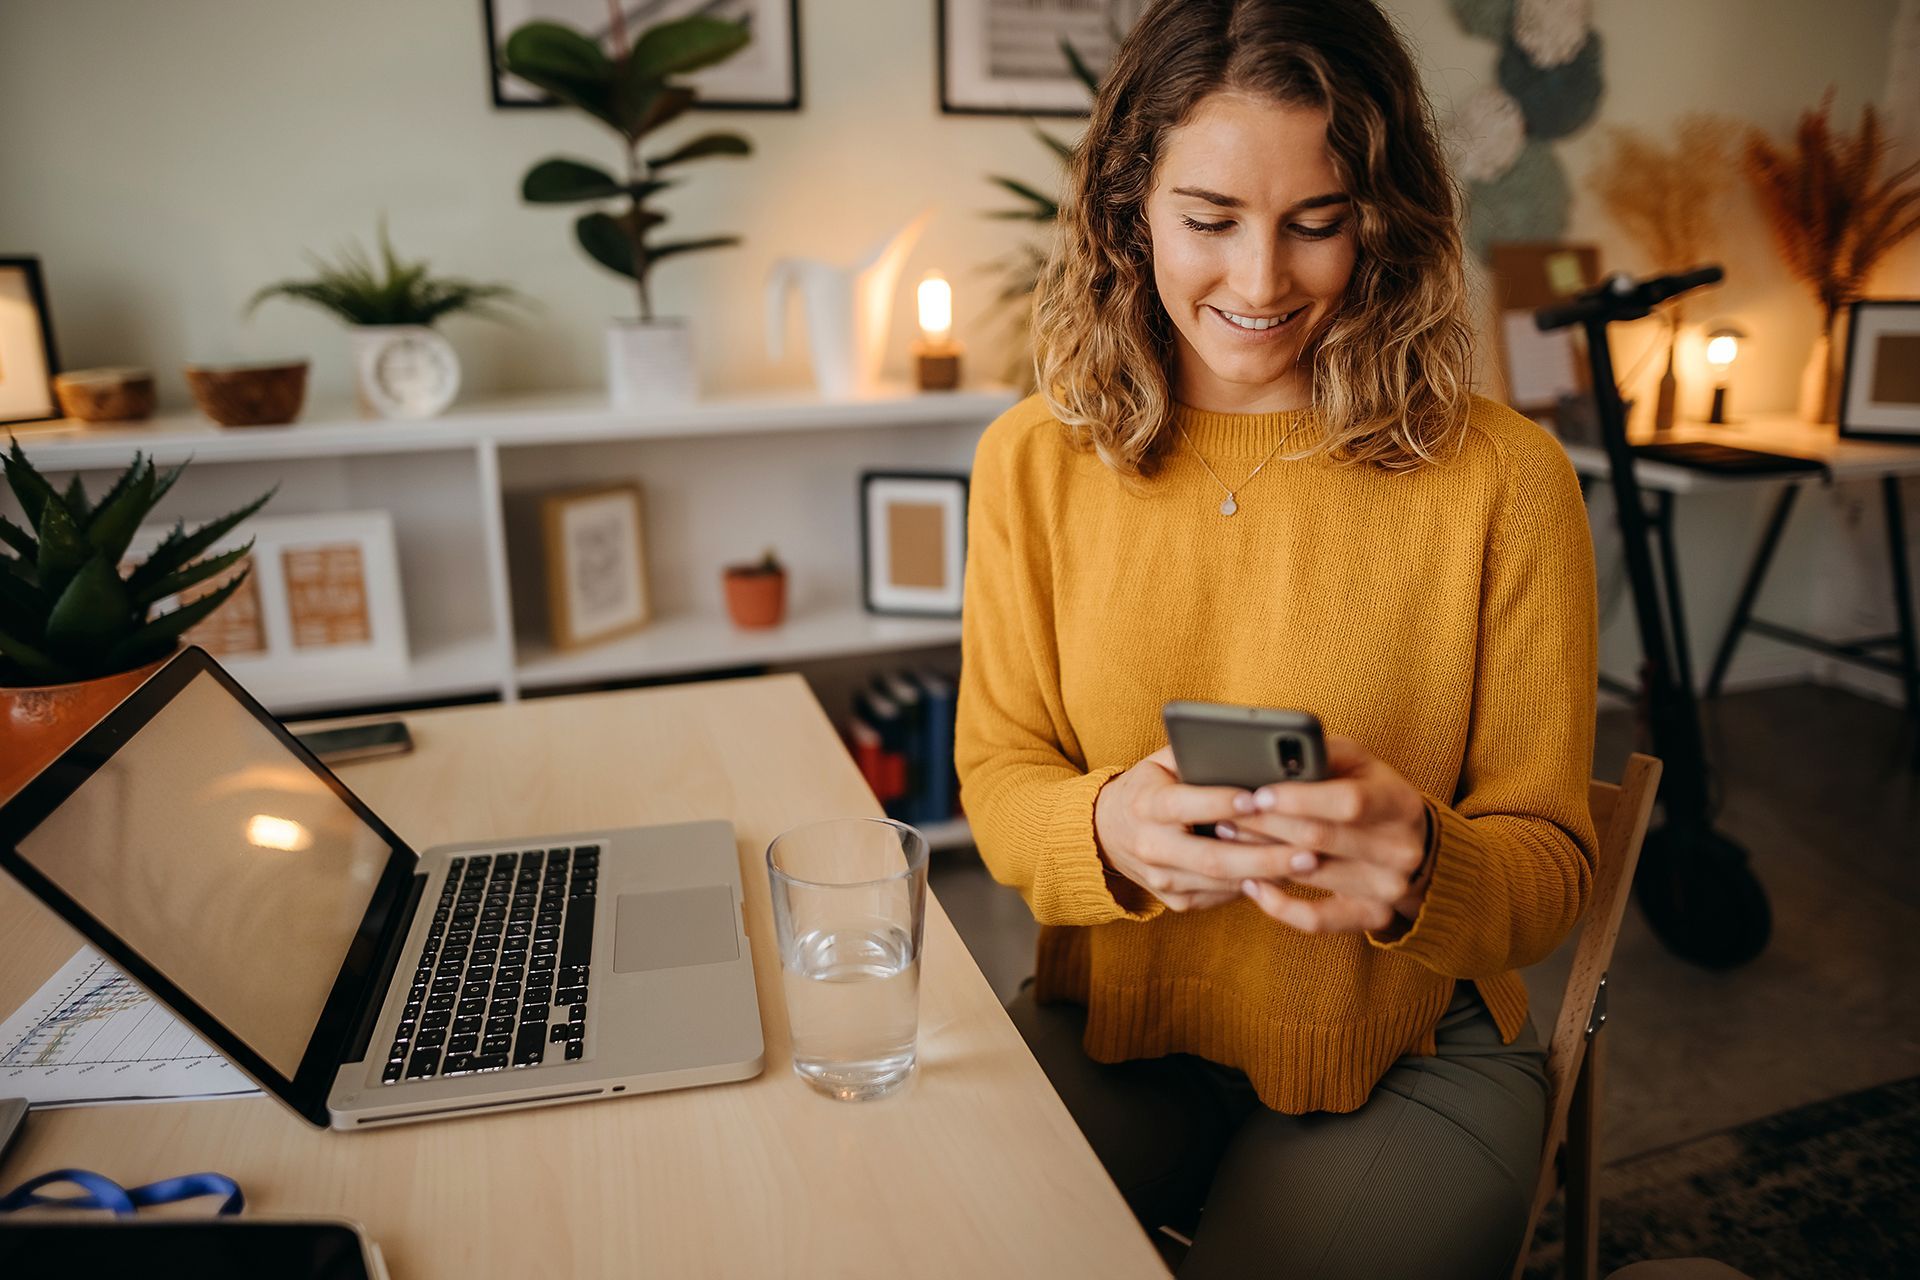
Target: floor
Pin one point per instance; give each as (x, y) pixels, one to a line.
(1822, 787)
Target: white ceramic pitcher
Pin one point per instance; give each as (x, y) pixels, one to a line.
(847, 310)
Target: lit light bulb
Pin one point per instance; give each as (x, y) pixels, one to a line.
(1721, 350)
(283, 834)
(936, 308)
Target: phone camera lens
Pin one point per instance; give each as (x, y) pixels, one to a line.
(1292, 762)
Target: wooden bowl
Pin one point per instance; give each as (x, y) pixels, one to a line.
(105, 395)
(249, 395)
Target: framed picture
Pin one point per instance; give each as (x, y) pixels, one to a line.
(595, 564)
(1880, 391)
(764, 76)
(1003, 57)
(913, 542)
(322, 596)
(27, 360)
(1539, 368)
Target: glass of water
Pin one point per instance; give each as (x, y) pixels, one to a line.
(849, 907)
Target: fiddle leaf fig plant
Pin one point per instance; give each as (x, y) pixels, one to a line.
(633, 93)
(67, 611)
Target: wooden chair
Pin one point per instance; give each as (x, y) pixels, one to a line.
(1575, 1056)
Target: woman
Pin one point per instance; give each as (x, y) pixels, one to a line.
(1255, 475)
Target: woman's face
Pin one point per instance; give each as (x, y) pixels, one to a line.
(1253, 245)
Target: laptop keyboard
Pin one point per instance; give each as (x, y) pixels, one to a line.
(502, 982)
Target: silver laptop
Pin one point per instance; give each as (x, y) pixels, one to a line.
(199, 845)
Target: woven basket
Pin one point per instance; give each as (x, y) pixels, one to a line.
(105, 395)
(249, 395)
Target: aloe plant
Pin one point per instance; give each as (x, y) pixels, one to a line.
(633, 93)
(66, 611)
(394, 291)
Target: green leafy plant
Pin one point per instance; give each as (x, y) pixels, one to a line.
(66, 611)
(1020, 270)
(768, 563)
(632, 93)
(390, 291)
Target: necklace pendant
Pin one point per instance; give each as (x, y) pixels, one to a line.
(1228, 507)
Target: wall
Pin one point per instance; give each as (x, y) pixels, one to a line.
(167, 160)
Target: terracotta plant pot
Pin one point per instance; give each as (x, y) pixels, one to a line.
(756, 597)
(38, 722)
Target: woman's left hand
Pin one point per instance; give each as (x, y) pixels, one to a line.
(1361, 835)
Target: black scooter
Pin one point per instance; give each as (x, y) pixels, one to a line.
(1693, 884)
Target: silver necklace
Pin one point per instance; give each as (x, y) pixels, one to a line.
(1229, 506)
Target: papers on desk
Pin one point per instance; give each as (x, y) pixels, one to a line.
(89, 1035)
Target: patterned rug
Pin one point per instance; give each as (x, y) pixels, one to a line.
(1831, 1189)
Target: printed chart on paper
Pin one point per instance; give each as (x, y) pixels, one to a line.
(90, 1035)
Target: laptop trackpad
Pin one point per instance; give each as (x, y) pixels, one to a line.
(674, 927)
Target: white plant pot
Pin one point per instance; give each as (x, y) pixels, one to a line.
(650, 364)
(403, 371)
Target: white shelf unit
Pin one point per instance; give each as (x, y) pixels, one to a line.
(722, 478)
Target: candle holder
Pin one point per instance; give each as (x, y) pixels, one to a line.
(936, 364)
(936, 356)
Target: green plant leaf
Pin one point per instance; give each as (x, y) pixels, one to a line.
(652, 107)
(179, 581)
(1081, 71)
(1060, 146)
(19, 539)
(707, 144)
(29, 486)
(120, 482)
(115, 522)
(63, 549)
(565, 64)
(561, 181)
(178, 548)
(91, 614)
(23, 610)
(76, 499)
(1025, 192)
(152, 640)
(607, 243)
(682, 46)
(32, 660)
(676, 247)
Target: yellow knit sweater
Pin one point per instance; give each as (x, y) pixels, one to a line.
(1444, 618)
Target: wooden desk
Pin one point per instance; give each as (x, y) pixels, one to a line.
(974, 1169)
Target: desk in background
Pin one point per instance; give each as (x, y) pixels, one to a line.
(1845, 460)
(974, 1169)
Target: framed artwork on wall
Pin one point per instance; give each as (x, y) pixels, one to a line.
(1003, 57)
(764, 76)
(913, 542)
(322, 596)
(593, 544)
(1880, 392)
(27, 359)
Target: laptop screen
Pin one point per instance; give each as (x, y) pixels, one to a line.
(232, 867)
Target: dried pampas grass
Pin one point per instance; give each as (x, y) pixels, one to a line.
(1830, 213)
(1666, 199)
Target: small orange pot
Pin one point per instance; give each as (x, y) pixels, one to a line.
(755, 597)
(38, 722)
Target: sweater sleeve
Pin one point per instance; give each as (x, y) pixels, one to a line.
(1029, 799)
(1513, 852)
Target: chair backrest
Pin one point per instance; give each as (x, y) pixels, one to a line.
(1620, 817)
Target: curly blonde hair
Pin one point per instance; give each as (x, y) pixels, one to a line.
(1391, 366)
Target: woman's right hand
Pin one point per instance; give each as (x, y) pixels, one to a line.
(1141, 817)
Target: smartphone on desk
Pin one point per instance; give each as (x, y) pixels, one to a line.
(1219, 744)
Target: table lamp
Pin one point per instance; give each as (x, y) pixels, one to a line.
(936, 356)
(1723, 347)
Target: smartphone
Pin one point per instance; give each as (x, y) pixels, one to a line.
(358, 742)
(189, 1248)
(1218, 744)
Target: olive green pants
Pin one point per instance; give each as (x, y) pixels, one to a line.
(1432, 1177)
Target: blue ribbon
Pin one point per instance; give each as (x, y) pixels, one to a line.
(104, 1193)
